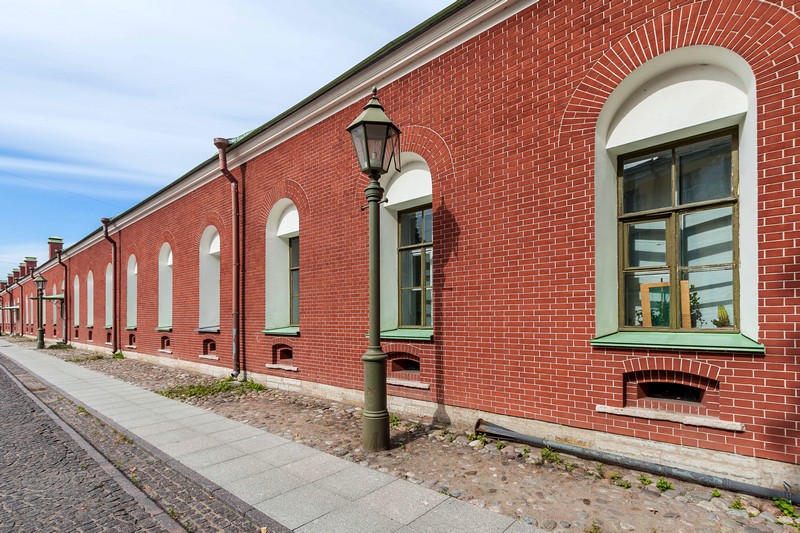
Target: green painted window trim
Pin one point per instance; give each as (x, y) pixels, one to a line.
(164, 328)
(290, 331)
(419, 334)
(131, 328)
(720, 342)
(208, 329)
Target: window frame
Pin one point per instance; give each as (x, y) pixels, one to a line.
(422, 246)
(672, 215)
(293, 242)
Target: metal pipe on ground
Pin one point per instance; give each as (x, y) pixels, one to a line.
(493, 430)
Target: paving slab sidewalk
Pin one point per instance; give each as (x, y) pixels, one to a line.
(300, 487)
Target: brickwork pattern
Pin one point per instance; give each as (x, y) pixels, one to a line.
(506, 123)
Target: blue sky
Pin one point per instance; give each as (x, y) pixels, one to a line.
(103, 103)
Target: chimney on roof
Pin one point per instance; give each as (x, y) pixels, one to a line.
(16, 272)
(55, 245)
(23, 270)
(30, 264)
(3, 285)
(10, 279)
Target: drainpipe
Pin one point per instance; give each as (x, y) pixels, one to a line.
(222, 144)
(64, 303)
(114, 347)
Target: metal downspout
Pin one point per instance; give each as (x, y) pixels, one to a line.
(222, 145)
(114, 346)
(64, 303)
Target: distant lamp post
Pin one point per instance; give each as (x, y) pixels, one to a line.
(377, 141)
(40, 283)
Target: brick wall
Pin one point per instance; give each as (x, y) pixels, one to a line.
(506, 124)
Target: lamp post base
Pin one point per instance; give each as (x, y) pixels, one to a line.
(375, 418)
(40, 339)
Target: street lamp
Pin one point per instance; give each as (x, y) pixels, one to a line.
(40, 283)
(377, 141)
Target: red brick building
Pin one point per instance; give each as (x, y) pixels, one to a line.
(593, 236)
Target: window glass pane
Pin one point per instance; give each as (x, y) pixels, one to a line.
(410, 307)
(411, 228)
(428, 224)
(428, 267)
(647, 299)
(294, 298)
(411, 268)
(707, 298)
(647, 182)
(294, 252)
(707, 237)
(429, 307)
(704, 170)
(647, 243)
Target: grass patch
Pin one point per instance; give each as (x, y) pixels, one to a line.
(182, 392)
(118, 355)
(59, 346)
(82, 359)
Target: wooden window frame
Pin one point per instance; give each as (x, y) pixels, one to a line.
(680, 313)
(422, 247)
(292, 242)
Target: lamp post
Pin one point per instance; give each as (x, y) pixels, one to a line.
(40, 283)
(377, 141)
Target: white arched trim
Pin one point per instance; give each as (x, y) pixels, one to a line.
(209, 260)
(165, 286)
(89, 300)
(411, 187)
(692, 90)
(283, 223)
(109, 300)
(132, 290)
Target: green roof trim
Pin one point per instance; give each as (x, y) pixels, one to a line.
(717, 342)
(55, 239)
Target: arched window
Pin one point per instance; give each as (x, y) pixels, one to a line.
(283, 266)
(209, 279)
(76, 301)
(90, 300)
(165, 287)
(676, 192)
(109, 296)
(407, 246)
(132, 288)
(54, 306)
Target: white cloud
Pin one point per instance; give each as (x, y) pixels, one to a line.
(113, 100)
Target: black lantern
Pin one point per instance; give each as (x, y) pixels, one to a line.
(375, 138)
(40, 282)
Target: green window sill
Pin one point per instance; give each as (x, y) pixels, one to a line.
(289, 331)
(131, 328)
(409, 334)
(164, 328)
(718, 342)
(208, 329)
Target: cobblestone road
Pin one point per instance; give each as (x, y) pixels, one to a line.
(49, 483)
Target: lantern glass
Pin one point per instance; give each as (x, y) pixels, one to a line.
(40, 282)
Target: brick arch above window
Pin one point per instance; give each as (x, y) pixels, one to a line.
(672, 364)
(679, 28)
(288, 189)
(428, 145)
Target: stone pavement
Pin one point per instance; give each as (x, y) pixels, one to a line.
(260, 473)
(51, 481)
